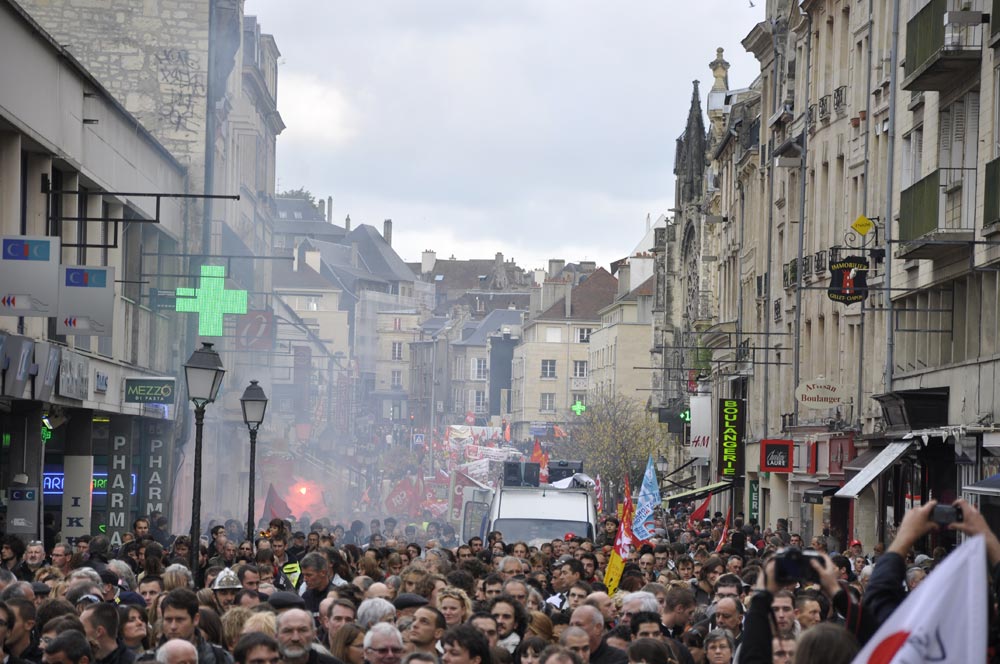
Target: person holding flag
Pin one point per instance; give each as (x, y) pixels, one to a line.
(649, 500)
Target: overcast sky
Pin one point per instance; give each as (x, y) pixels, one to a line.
(538, 128)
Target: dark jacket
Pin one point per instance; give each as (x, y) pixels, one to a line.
(120, 655)
(886, 589)
(756, 646)
(316, 657)
(605, 654)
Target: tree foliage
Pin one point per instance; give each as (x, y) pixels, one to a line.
(302, 193)
(615, 437)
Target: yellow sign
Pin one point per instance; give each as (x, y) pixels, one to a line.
(863, 225)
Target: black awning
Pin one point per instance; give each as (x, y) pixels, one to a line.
(700, 492)
(815, 496)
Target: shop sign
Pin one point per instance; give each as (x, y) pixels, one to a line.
(821, 394)
(119, 480)
(848, 280)
(776, 456)
(732, 429)
(701, 427)
(86, 301)
(29, 274)
(100, 382)
(149, 390)
(754, 501)
(76, 502)
(74, 376)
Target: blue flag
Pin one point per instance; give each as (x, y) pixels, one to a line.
(649, 499)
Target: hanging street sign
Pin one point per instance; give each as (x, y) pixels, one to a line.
(211, 300)
(29, 276)
(863, 225)
(86, 301)
(848, 280)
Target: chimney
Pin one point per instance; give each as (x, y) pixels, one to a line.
(347, 224)
(624, 279)
(387, 232)
(322, 209)
(587, 267)
(329, 209)
(499, 259)
(569, 299)
(427, 260)
(312, 258)
(555, 267)
(538, 276)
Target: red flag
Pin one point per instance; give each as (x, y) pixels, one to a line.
(559, 432)
(274, 506)
(725, 530)
(699, 514)
(506, 431)
(628, 516)
(536, 453)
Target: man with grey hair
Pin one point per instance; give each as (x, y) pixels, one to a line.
(591, 621)
(510, 566)
(296, 634)
(383, 644)
(317, 579)
(177, 651)
(373, 611)
(636, 602)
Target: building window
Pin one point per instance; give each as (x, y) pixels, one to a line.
(548, 368)
(553, 335)
(582, 334)
(579, 368)
(397, 350)
(548, 402)
(457, 401)
(480, 401)
(578, 397)
(479, 368)
(397, 379)
(457, 371)
(397, 324)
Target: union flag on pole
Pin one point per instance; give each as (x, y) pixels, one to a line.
(623, 544)
(696, 516)
(599, 490)
(944, 620)
(725, 530)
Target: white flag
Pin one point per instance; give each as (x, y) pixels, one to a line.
(943, 620)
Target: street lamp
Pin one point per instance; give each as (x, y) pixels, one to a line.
(254, 403)
(203, 374)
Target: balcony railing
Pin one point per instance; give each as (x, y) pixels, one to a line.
(940, 55)
(840, 98)
(941, 206)
(824, 107)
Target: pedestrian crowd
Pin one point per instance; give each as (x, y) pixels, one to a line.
(394, 592)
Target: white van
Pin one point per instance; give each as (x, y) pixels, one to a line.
(532, 514)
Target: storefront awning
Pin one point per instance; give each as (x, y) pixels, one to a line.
(874, 468)
(988, 487)
(816, 496)
(700, 492)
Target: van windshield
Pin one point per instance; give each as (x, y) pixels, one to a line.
(525, 530)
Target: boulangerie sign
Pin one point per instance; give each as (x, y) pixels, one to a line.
(777, 456)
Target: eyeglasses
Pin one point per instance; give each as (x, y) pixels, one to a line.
(90, 599)
(389, 650)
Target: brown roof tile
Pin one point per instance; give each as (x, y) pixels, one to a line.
(586, 299)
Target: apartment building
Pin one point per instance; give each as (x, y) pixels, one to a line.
(550, 367)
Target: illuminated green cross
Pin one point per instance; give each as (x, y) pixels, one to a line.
(211, 300)
(578, 407)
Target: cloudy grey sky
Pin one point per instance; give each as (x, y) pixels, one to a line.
(539, 128)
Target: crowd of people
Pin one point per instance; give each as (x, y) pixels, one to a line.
(393, 592)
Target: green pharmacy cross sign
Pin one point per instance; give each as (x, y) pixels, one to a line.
(211, 301)
(578, 408)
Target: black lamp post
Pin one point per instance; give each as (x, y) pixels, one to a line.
(203, 373)
(254, 403)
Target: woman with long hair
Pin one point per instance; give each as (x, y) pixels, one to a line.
(348, 644)
(133, 630)
(454, 604)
